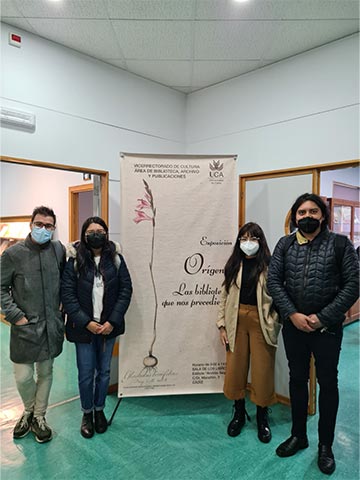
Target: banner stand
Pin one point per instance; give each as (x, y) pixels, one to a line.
(178, 227)
(113, 414)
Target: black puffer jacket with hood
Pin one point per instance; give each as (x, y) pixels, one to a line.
(76, 295)
(306, 278)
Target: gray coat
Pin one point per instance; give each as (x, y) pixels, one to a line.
(30, 287)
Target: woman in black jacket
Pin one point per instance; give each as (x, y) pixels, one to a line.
(96, 291)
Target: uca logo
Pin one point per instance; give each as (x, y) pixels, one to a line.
(216, 172)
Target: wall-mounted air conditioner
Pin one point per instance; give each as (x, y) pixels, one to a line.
(17, 118)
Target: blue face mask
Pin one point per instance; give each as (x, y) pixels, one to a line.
(41, 235)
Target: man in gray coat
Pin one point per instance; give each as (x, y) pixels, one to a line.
(30, 301)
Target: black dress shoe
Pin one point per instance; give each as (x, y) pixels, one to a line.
(291, 446)
(326, 460)
(101, 423)
(87, 425)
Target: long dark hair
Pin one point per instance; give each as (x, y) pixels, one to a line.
(262, 257)
(84, 254)
(312, 197)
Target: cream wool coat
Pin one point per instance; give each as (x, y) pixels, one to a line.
(229, 310)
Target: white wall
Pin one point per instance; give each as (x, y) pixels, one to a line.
(301, 111)
(86, 111)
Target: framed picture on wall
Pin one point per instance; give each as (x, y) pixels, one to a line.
(12, 230)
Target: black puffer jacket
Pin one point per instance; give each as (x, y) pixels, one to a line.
(306, 279)
(76, 296)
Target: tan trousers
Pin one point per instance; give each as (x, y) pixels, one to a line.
(250, 348)
(34, 392)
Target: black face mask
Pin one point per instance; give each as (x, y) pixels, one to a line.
(308, 224)
(96, 240)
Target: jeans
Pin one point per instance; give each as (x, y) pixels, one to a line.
(326, 350)
(93, 362)
(34, 394)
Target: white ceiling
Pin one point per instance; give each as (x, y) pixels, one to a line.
(186, 44)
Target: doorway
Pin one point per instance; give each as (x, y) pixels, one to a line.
(80, 208)
(265, 198)
(65, 188)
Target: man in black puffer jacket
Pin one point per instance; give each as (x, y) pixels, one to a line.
(313, 282)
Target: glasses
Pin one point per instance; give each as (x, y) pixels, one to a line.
(251, 239)
(48, 226)
(91, 232)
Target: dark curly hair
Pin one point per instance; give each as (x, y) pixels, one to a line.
(42, 210)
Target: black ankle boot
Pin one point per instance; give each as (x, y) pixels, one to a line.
(238, 420)
(87, 425)
(101, 423)
(262, 418)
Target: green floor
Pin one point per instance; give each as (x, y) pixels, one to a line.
(171, 438)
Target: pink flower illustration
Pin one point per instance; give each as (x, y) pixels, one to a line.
(147, 202)
(142, 204)
(140, 216)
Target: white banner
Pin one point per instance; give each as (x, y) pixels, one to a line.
(178, 225)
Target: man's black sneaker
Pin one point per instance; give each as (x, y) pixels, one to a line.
(23, 425)
(41, 430)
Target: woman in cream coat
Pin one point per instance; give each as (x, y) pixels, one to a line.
(249, 328)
